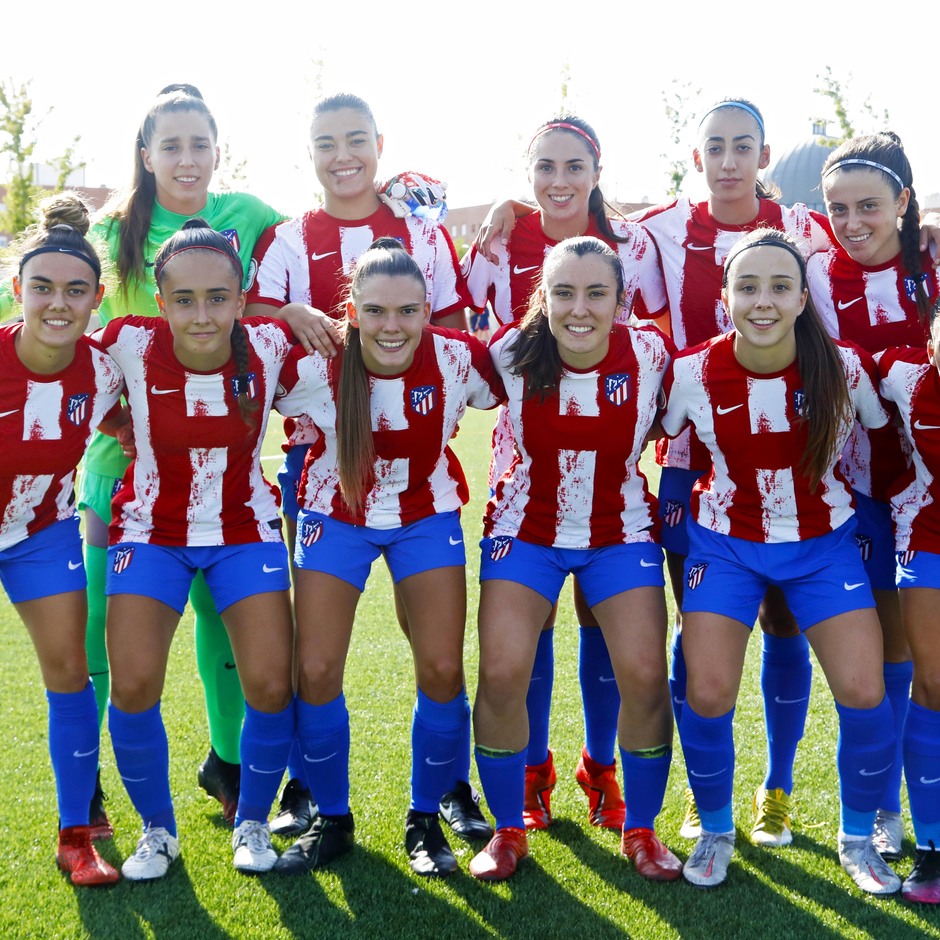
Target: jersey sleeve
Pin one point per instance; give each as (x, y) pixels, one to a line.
(649, 300)
(269, 284)
(449, 292)
(484, 386)
(674, 412)
(863, 385)
(479, 274)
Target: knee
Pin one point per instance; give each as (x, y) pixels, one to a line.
(712, 697)
(67, 673)
(440, 679)
(134, 693)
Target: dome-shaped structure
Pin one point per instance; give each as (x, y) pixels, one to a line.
(796, 173)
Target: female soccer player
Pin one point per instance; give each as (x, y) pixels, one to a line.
(564, 161)
(200, 382)
(56, 388)
(381, 479)
(582, 394)
(175, 155)
(774, 401)
(875, 289)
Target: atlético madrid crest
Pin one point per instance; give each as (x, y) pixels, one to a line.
(311, 532)
(77, 409)
(251, 385)
(501, 547)
(696, 573)
(617, 388)
(122, 559)
(424, 399)
(673, 512)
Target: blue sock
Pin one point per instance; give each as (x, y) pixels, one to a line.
(503, 780)
(73, 747)
(463, 757)
(143, 761)
(786, 677)
(295, 764)
(865, 756)
(599, 695)
(922, 770)
(898, 678)
(644, 786)
(436, 740)
(677, 675)
(323, 731)
(538, 700)
(708, 745)
(265, 744)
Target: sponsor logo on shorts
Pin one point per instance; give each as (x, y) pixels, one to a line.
(267, 569)
(905, 558)
(311, 532)
(501, 547)
(852, 587)
(77, 409)
(696, 573)
(424, 398)
(454, 541)
(122, 560)
(864, 545)
(617, 388)
(673, 513)
(649, 564)
(74, 565)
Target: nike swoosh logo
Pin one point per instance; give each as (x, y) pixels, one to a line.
(454, 541)
(725, 411)
(6, 414)
(607, 678)
(920, 426)
(326, 254)
(648, 564)
(259, 770)
(874, 773)
(94, 750)
(319, 760)
(268, 570)
(518, 270)
(229, 665)
(438, 763)
(715, 774)
(852, 587)
(133, 779)
(74, 564)
(845, 304)
(788, 701)
(700, 247)
(162, 391)
(927, 782)
(678, 701)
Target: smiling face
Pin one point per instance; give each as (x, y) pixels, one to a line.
(182, 156)
(864, 212)
(764, 296)
(201, 297)
(563, 174)
(390, 311)
(581, 303)
(345, 153)
(58, 293)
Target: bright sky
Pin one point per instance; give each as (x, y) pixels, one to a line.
(458, 94)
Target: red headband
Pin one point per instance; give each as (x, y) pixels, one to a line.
(564, 126)
(179, 251)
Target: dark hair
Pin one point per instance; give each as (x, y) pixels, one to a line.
(63, 227)
(534, 353)
(196, 235)
(934, 315)
(355, 452)
(885, 150)
(597, 205)
(763, 190)
(827, 403)
(344, 100)
(133, 209)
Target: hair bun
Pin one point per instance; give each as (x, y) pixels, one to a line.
(183, 87)
(65, 209)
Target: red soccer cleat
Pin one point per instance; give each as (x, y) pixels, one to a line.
(649, 856)
(539, 783)
(501, 856)
(599, 782)
(78, 856)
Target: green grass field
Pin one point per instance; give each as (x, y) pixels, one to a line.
(573, 884)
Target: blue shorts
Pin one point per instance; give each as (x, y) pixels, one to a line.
(820, 577)
(675, 497)
(347, 551)
(918, 569)
(601, 572)
(874, 534)
(166, 572)
(288, 479)
(48, 562)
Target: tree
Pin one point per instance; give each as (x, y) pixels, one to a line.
(17, 142)
(65, 165)
(231, 174)
(838, 93)
(680, 102)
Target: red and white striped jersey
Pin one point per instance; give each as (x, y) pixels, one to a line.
(414, 415)
(873, 307)
(309, 259)
(46, 422)
(911, 381)
(575, 481)
(749, 423)
(508, 284)
(197, 476)
(692, 247)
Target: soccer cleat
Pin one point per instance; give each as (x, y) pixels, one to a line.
(922, 885)
(78, 856)
(221, 780)
(460, 809)
(98, 822)
(771, 818)
(501, 856)
(539, 783)
(296, 811)
(327, 839)
(707, 866)
(887, 834)
(865, 866)
(650, 857)
(427, 848)
(599, 782)
(155, 852)
(692, 824)
(252, 844)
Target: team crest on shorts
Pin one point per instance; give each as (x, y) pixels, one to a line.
(310, 532)
(617, 388)
(250, 385)
(673, 512)
(910, 285)
(905, 558)
(696, 573)
(122, 559)
(232, 235)
(77, 409)
(424, 399)
(864, 545)
(799, 400)
(501, 547)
